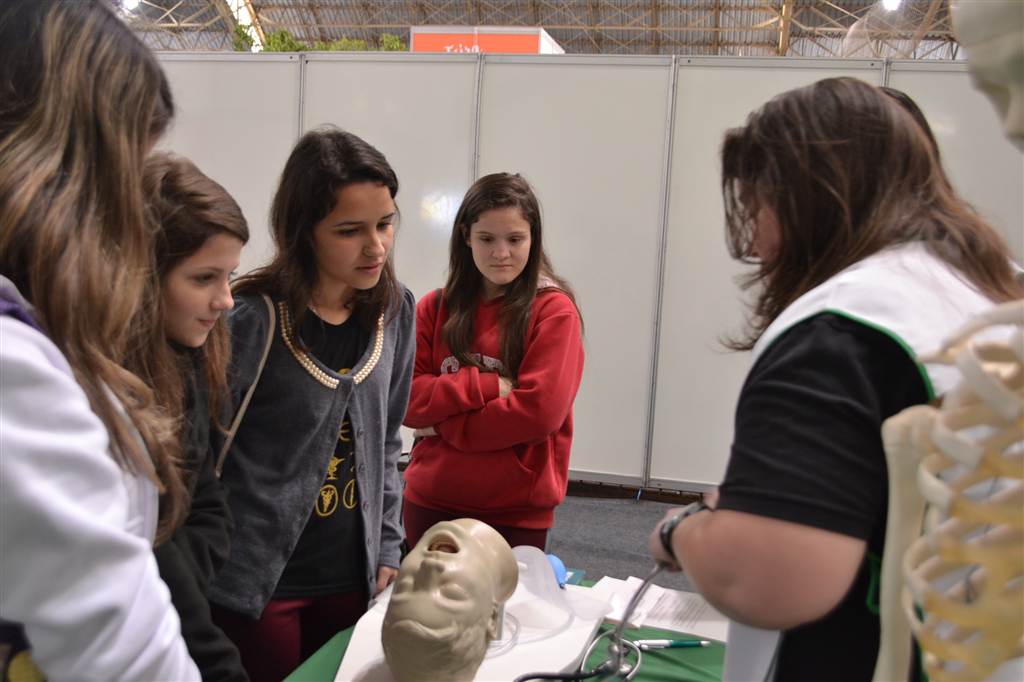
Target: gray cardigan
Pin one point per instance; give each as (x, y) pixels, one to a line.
(277, 462)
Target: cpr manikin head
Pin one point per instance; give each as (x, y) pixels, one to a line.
(992, 33)
(447, 602)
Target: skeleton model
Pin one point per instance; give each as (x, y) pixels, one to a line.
(958, 586)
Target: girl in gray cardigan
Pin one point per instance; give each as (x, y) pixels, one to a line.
(311, 473)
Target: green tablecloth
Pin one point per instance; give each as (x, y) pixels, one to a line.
(662, 665)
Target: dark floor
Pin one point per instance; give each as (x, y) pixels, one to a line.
(609, 537)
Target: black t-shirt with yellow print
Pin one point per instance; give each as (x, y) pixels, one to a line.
(329, 556)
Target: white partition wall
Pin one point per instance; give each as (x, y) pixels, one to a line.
(623, 153)
(237, 118)
(420, 112)
(983, 166)
(698, 381)
(590, 134)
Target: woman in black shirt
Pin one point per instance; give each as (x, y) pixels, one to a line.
(864, 259)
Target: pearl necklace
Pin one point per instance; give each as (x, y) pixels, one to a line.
(310, 366)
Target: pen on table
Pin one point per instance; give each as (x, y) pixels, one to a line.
(648, 644)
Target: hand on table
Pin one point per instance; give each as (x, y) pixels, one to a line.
(385, 576)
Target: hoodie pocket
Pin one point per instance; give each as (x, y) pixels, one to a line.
(471, 481)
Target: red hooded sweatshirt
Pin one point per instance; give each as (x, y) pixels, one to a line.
(501, 460)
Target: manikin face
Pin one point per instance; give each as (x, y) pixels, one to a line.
(500, 241)
(353, 241)
(197, 291)
(446, 601)
(991, 34)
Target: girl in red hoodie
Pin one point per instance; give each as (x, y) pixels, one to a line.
(499, 358)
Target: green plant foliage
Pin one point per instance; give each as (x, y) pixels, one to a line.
(392, 43)
(340, 45)
(282, 41)
(242, 40)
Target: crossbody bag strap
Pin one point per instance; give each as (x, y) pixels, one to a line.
(230, 436)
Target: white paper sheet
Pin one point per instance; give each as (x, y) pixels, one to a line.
(685, 612)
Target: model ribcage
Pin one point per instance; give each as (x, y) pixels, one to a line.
(960, 583)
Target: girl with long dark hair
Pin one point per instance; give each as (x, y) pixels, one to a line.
(311, 472)
(499, 359)
(182, 350)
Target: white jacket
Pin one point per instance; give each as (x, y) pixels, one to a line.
(76, 531)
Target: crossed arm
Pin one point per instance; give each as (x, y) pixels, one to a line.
(475, 410)
(478, 411)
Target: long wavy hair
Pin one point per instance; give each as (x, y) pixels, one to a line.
(324, 161)
(848, 172)
(186, 208)
(908, 103)
(82, 101)
(465, 282)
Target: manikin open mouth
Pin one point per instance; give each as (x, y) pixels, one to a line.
(443, 544)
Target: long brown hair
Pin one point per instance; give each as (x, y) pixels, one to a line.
(186, 208)
(908, 103)
(81, 102)
(465, 282)
(848, 173)
(324, 161)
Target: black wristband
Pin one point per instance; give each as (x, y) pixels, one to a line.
(669, 527)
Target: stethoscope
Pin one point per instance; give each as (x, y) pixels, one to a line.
(617, 663)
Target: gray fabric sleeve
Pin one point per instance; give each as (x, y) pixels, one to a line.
(392, 533)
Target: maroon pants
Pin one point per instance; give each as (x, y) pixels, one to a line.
(288, 632)
(418, 520)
